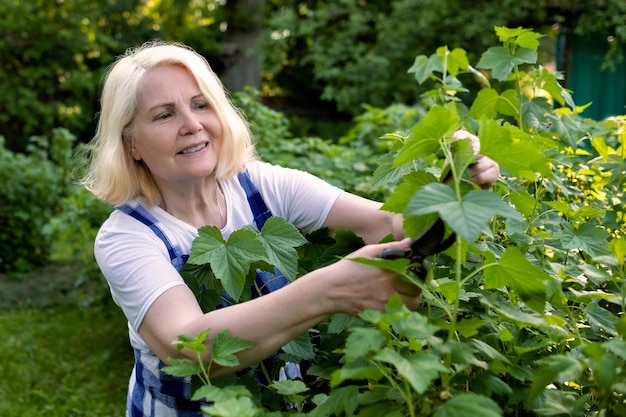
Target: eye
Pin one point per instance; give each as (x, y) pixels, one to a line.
(201, 105)
(163, 115)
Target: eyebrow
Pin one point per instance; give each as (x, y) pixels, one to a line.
(171, 104)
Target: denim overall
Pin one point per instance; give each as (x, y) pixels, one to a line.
(174, 391)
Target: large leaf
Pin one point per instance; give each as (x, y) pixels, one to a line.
(501, 61)
(231, 260)
(397, 202)
(586, 237)
(554, 368)
(419, 370)
(224, 348)
(468, 217)
(525, 38)
(468, 404)
(232, 407)
(280, 239)
(299, 349)
(423, 140)
(485, 103)
(516, 272)
(521, 157)
(341, 401)
(362, 342)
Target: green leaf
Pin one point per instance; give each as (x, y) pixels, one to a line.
(522, 37)
(398, 200)
(509, 103)
(362, 342)
(181, 367)
(414, 325)
(399, 265)
(617, 347)
(456, 60)
(469, 217)
(224, 348)
(340, 322)
(586, 237)
(513, 313)
(485, 103)
(519, 156)
(501, 62)
(280, 238)
(213, 393)
(299, 348)
(554, 368)
(601, 320)
(468, 404)
(534, 112)
(420, 369)
(340, 401)
(524, 202)
(289, 387)
(561, 403)
(516, 272)
(497, 60)
(232, 407)
(423, 140)
(469, 327)
(422, 68)
(350, 372)
(231, 260)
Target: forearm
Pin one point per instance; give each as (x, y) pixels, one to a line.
(269, 321)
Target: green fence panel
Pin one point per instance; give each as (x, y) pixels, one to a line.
(591, 82)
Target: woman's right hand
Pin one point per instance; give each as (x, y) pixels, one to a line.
(355, 287)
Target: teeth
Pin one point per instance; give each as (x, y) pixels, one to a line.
(194, 149)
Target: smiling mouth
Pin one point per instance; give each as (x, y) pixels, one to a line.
(194, 149)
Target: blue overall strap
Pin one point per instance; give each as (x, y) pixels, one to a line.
(177, 258)
(259, 209)
(155, 392)
(266, 281)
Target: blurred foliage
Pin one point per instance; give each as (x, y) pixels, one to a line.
(350, 52)
(54, 54)
(323, 55)
(32, 187)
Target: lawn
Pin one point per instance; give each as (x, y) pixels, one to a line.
(58, 359)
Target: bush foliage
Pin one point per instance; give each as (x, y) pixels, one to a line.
(524, 315)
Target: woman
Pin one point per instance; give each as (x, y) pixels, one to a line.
(172, 154)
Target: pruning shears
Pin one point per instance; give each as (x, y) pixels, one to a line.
(428, 243)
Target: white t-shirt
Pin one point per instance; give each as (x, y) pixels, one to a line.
(135, 261)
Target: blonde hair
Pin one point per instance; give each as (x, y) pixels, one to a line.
(113, 174)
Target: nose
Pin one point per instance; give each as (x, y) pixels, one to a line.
(190, 123)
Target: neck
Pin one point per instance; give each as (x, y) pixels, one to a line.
(199, 206)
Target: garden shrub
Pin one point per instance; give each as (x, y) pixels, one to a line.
(33, 185)
(524, 315)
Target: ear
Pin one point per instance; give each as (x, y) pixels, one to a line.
(130, 146)
(135, 153)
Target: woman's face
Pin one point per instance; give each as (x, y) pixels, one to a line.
(175, 131)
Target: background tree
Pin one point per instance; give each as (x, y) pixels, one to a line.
(350, 52)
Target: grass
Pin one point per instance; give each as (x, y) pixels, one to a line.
(63, 361)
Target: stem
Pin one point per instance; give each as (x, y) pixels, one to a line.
(520, 119)
(404, 393)
(204, 370)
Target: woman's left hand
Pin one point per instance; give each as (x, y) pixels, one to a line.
(486, 171)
